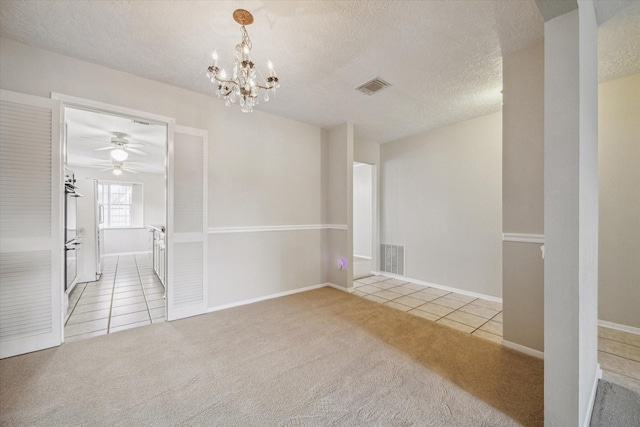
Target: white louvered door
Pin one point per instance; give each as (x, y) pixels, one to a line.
(30, 224)
(187, 223)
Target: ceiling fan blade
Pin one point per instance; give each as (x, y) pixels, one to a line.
(106, 169)
(136, 144)
(95, 139)
(135, 150)
(103, 148)
(129, 170)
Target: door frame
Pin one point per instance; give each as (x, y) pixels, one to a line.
(375, 215)
(101, 107)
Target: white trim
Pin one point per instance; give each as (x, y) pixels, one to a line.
(523, 349)
(266, 297)
(128, 253)
(619, 327)
(335, 227)
(444, 288)
(338, 287)
(361, 256)
(523, 238)
(263, 228)
(592, 398)
(97, 106)
(125, 228)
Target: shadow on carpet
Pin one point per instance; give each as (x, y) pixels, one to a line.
(510, 381)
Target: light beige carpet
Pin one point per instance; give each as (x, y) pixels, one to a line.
(317, 358)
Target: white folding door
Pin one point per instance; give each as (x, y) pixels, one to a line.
(30, 224)
(187, 223)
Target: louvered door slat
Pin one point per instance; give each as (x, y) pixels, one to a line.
(186, 231)
(30, 235)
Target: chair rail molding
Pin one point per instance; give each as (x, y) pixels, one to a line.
(264, 228)
(523, 238)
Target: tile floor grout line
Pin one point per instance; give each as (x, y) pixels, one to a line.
(113, 291)
(459, 323)
(618, 355)
(75, 305)
(433, 301)
(144, 294)
(488, 320)
(620, 373)
(621, 342)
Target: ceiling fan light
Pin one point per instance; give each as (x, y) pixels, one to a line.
(117, 171)
(119, 154)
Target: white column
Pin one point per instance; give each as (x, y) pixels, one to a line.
(571, 216)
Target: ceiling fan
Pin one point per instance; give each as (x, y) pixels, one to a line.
(117, 168)
(120, 145)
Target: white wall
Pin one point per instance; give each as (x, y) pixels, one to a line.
(337, 209)
(362, 209)
(619, 173)
(365, 151)
(523, 196)
(441, 197)
(136, 239)
(570, 216)
(263, 169)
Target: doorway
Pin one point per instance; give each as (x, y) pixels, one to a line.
(364, 220)
(115, 253)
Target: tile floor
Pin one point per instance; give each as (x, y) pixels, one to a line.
(618, 352)
(619, 357)
(128, 294)
(476, 316)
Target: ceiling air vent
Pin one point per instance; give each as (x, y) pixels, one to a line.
(373, 86)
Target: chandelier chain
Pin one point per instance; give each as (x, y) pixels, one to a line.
(245, 37)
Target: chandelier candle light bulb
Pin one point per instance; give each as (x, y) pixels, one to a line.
(244, 82)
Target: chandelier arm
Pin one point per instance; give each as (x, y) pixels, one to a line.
(234, 82)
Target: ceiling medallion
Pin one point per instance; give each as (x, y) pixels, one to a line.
(244, 83)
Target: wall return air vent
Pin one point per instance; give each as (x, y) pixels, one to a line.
(392, 259)
(373, 86)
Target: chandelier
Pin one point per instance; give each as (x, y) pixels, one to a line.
(245, 82)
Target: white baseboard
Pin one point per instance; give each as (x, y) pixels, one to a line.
(592, 398)
(523, 349)
(619, 327)
(338, 287)
(444, 288)
(361, 256)
(266, 297)
(128, 253)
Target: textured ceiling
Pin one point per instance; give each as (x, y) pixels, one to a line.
(619, 42)
(443, 58)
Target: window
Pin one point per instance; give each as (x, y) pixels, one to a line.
(118, 200)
